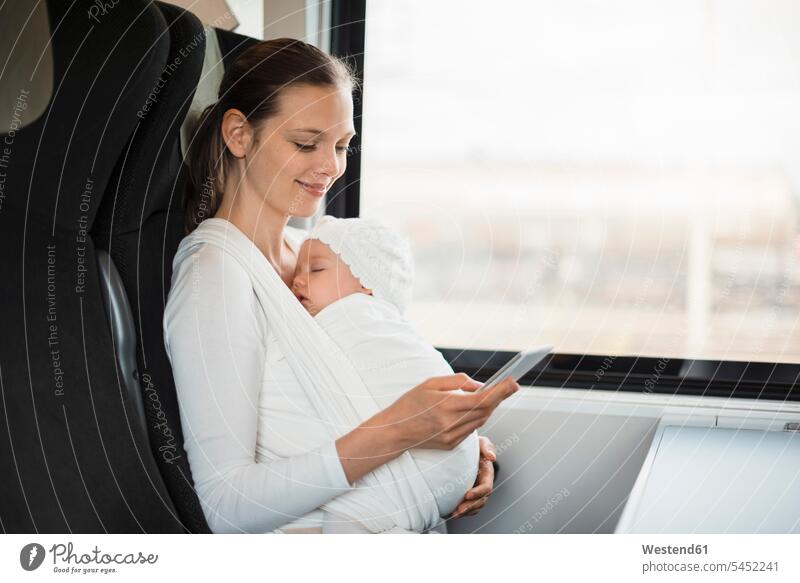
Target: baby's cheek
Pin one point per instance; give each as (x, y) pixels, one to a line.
(318, 305)
(315, 305)
(331, 291)
(350, 281)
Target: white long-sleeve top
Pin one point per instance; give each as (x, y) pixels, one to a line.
(215, 333)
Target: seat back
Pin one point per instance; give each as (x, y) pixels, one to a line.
(140, 224)
(73, 457)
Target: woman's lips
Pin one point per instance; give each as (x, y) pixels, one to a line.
(316, 189)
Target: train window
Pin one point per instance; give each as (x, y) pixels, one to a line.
(610, 178)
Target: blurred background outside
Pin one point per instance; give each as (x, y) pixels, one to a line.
(609, 177)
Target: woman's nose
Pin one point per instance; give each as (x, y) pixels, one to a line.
(329, 164)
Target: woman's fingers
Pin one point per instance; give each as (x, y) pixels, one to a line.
(472, 387)
(469, 508)
(459, 431)
(490, 398)
(452, 382)
(477, 494)
(475, 416)
(487, 448)
(475, 509)
(476, 497)
(484, 481)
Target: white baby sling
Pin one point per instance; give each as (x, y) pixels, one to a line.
(395, 495)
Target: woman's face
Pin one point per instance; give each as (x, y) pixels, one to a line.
(299, 153)
(321, 277)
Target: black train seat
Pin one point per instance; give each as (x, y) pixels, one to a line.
(91, 218)
(140, 223)
(73, 457)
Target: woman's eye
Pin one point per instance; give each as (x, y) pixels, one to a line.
(305, 147)
(344, 149)
(315, 270)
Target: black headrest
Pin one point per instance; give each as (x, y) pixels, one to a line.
(104, 65)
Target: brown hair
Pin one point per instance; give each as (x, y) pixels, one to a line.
(251, 84)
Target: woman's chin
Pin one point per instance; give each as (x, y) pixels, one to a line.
(303, 212)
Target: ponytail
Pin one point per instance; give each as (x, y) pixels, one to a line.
(206, 168)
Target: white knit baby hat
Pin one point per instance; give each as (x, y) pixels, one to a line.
(377, 255)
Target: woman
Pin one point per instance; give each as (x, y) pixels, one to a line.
(269, 149)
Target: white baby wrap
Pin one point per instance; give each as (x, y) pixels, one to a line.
(394, 495)
(391, 357)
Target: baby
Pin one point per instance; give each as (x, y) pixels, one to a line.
(354, 276)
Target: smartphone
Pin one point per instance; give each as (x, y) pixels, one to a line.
(518, 366)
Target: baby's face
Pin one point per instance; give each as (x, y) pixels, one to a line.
(321, 277)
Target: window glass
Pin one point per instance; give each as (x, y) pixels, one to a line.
(608, 177)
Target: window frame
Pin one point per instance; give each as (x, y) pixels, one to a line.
(347, 37)
(772, 381)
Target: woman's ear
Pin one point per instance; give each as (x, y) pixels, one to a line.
(237, 132)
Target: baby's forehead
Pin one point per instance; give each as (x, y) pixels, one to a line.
(314, 248)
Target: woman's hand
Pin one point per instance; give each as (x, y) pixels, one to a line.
(435, 415)
(432, 415)
(475, 498)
